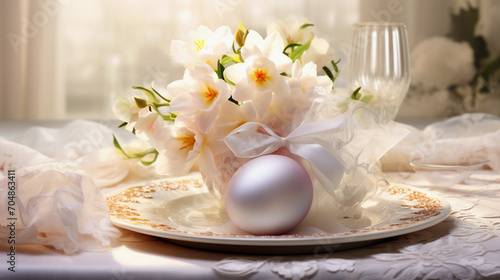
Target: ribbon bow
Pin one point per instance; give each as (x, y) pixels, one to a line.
(249, 141)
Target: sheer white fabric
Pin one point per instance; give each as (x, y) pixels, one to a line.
(57, 198)
(58, 205)
(465, 139)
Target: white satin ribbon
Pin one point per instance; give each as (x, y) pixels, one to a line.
(254, 139)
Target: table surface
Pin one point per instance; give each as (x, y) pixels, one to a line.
(464, 246)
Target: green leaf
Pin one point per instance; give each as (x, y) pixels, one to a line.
(234, 50)
(122, 124)
(150, 95)
(298, 51)
(220, 70)
(291, 46)
(141, 103)
(138, 155)
(170, 117)
(152, 161)
(226, 59)
(366, 98)
(306, 25)
(354, 95)
(158, 105)
(328, 73)
(229, 82)
(335, 67)
(161, 96)
(233, 100)
(117, 145)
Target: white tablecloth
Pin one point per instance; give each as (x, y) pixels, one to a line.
(465, 246)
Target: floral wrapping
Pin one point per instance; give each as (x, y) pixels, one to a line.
(243, 96)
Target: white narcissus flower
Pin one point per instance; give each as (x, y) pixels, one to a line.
(178, 149)
(231, 116)
(439, 62)
(282, 115)
(303, 82)
(256, 74)
(271, 47)
(204, 46)
(126, 110)
(291, 31)
(199, 95)
(108, 166)
(148, 124)
(181, 145)
(258, 77)
(256, 80)
(318, 52)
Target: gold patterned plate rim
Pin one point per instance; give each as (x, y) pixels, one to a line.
(140, 207)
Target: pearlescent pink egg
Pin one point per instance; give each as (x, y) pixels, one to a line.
(270, 194)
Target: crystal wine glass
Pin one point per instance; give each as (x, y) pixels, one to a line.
(380, 65)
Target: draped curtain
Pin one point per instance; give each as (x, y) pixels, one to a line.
(31, 81)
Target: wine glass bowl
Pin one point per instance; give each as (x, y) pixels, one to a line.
(380, 65)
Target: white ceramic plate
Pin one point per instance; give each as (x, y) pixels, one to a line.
(182, 211)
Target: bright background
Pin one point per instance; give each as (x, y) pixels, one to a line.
(66, 59)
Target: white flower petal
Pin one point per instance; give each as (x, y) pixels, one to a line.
(254, 39)
(122, 108)
(178, 53)
(296, 69)
(203, 46)
(236, 72)
(281, 87)
(221, 40)
(204, 120)
(254, 45)
(243, 91)
(166, 165)
(148, 124)
(261, 103)
(206, 162)
(324, 82)
(310, 69)
(183, 104)
(319, 52)
(201, 71)
(291, 31)
(273, 44)
(283, 63)
(178, 87)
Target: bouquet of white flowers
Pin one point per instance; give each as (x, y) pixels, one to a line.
(243, 96)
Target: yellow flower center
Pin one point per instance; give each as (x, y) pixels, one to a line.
(259, 76)
(210, 94)
(187, 142)
(199, 44)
